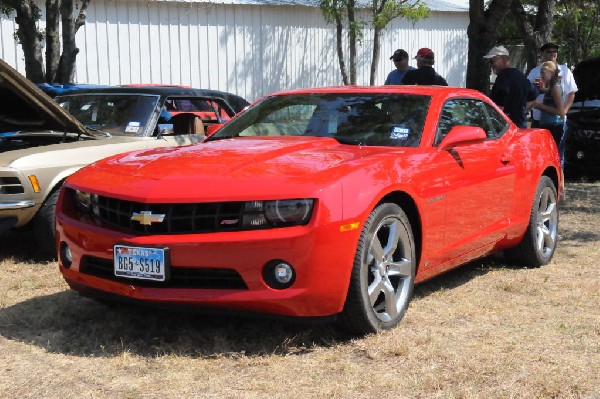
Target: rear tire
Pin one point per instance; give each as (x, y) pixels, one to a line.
(539, 243)
(383, 273)
(43, 225)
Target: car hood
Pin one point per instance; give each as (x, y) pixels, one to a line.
(230, 168)
(26, 107)
(588, 80)
(79, 152)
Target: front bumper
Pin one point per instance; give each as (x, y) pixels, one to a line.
(322, 257)
(17, 199)
(582, 146)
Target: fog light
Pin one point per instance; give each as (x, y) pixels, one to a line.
(283, 273)
(279, 274)
(65, 255)
(580, 155)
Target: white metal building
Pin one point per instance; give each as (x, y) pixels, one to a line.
(248, 47)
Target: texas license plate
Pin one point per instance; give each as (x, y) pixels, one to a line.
(140, 262)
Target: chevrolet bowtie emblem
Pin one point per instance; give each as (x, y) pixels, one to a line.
(147, 218)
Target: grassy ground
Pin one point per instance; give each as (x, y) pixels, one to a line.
(485, 330)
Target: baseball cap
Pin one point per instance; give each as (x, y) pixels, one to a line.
(425, 53)
(549, 45)
(399, 55)
(496, 51)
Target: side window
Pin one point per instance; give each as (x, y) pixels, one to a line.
(499, 125)
(470, 112)
(450, 116)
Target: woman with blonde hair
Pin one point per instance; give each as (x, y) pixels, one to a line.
(553, 105)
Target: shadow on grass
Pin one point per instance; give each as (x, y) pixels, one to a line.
(69, 324)
(462, 275)
(20, 246)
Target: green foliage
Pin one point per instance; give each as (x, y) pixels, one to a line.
(577, 27)
(7, 7)
(332, 9)
(398, 9)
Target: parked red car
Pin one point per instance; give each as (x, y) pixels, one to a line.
(317, 202)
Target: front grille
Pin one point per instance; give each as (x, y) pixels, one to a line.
(181, 277)
(188, 218)
(11, 185)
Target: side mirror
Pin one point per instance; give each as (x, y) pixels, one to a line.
(212, 129)
(462, 135)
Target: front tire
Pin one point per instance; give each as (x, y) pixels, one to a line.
(43, 225)
(539, 243)
(383, 273)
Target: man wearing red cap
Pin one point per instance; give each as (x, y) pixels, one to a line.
(424, 74)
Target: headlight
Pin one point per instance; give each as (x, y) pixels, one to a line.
(288, 212)
(82, 200)
(86, 202)
(278, 213)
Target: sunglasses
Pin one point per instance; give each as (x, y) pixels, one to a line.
(551, 51)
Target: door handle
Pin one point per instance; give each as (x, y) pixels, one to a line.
(505, 159)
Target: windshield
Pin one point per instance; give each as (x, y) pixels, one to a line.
(362, 119)
(119, 114)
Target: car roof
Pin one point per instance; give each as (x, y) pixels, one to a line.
(236, 102)
(441, 91)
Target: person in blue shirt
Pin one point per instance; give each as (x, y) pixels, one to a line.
(400, 58)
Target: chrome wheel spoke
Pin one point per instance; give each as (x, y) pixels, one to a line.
(391, 301)
(544, 200)
(548, 213)
(393, 238)
(402, 268)
(375, 288)
(376, 251)
(547, 237)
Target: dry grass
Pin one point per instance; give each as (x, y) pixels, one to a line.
(486, 330)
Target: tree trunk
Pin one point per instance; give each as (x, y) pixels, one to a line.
(70, 26)
(352, 27)
(482, 33)
(376, 52)
(534, 36)
(52, 39)
(31, 40)
(339, 32)
(66, 65)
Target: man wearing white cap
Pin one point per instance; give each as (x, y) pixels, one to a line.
(511, 90)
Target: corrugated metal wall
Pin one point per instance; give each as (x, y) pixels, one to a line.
(245, 49)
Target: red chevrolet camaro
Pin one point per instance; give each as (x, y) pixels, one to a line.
(317, 202)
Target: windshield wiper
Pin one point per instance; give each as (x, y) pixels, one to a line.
(98, 132)
(215, 138)
(347, 140)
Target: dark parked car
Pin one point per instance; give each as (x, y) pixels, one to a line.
(583, 139)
